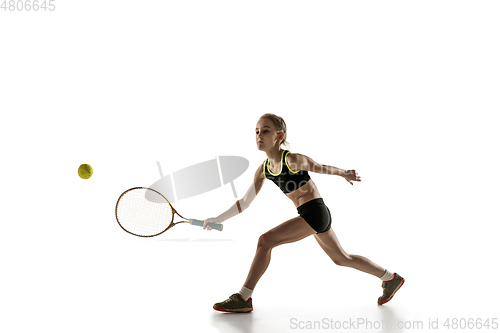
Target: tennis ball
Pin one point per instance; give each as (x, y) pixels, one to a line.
(85, 171)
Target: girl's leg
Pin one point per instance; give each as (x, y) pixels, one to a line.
(290, 231)
(331, 245)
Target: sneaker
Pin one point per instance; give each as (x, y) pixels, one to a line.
(390, 288)
(234, 304)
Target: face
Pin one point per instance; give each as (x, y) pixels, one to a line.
(266, 135)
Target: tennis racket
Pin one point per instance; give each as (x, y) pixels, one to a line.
(144, 212)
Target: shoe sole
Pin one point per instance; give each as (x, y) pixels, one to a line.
(394, 293)
(244, 310)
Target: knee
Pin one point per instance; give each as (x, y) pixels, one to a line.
(265, 242)
(343, 260)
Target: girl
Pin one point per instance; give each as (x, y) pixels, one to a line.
(289, 172)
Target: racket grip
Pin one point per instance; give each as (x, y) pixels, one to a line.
(199, 223)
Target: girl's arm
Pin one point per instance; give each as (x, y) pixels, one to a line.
(303, 162)
(240, 205)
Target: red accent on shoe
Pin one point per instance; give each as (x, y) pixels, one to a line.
(249, 298)
(394, 291)
(224, 310)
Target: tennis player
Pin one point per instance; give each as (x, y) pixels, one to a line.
(290, 172)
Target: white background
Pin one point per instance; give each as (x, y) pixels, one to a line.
(406, 93)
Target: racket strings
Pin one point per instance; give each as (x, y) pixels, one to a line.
(143, 212)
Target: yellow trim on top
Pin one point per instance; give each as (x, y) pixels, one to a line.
(281, 165)
(288, 165)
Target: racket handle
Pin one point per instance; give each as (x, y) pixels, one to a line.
(199, 223)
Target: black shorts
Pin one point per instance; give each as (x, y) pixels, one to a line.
(316, 214)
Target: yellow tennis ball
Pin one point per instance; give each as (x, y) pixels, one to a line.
(85, 171)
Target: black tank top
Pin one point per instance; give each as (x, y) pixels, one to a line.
(287, 180)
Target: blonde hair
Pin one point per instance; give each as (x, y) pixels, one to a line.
(280, 125)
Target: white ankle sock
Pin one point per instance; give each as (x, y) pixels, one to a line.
(387, 276)
(245, 293)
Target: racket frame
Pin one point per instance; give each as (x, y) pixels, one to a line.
(171, 207)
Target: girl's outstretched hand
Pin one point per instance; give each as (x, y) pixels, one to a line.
(351, 175)
(210, 220)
